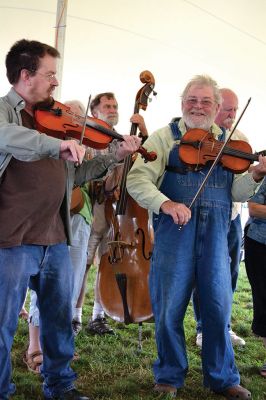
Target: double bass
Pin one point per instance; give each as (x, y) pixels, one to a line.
(124, 268)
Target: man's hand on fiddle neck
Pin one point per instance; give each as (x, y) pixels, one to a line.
(259, 171)
(129, 146)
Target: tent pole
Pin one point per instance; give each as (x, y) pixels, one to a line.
(60, 31)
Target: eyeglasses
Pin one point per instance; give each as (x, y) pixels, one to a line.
(50, 77)
(205, 103)
(229, 110)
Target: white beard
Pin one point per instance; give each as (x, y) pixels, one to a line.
(111, 120)
(229, 122)
(205, 121)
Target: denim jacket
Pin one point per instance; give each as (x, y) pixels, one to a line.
(256, 227)
(29, 145)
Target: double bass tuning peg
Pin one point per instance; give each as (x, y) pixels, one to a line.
(154, 94)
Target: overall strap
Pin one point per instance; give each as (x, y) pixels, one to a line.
(177, 136)
(175, 129)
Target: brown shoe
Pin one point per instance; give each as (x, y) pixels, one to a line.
(163, 388)
(236, 393)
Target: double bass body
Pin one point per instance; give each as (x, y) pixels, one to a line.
(124, 269)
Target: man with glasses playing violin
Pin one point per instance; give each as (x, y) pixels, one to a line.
(37, 175)
(190, 244)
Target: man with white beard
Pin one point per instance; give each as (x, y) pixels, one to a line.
(196, 255)
(225, 119)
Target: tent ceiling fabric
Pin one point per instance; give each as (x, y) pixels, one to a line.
(108, 44)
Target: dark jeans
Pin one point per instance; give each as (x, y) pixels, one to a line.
(255, 260)
(234, 244)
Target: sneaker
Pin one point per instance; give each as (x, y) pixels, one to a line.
(99, 326)
(236, 340)
(199, 339)
(76, 326)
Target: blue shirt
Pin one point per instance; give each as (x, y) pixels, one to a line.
(257, 226)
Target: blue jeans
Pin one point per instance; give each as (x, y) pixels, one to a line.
(234, 246)
(78, 253)
(78, 256)
(47, 270)
(34, 315)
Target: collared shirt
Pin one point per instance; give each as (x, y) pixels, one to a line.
(144, 179)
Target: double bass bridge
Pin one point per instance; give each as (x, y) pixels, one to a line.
(117, 249)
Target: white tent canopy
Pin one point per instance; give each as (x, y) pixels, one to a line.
(108, 44)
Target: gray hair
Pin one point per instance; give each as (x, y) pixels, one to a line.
(97, 99)
(204, 80)
(76, 103)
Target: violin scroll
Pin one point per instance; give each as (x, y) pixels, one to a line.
(148, 156)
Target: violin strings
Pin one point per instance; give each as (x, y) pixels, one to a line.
(231, 151)
(121, 204)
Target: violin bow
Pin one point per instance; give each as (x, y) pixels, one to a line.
(85, 121)
(84, 126)
(215, 162)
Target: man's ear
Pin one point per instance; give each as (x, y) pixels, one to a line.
(218, 107)
(25, 76)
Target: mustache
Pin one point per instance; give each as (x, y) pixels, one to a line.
(195, 110)
(232, 120)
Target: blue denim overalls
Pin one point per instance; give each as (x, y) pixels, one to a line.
(195, 255)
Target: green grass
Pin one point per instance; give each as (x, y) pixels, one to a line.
(112, 368)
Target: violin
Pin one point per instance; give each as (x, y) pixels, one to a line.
(77, 200)
(197, 147)
(57, 120)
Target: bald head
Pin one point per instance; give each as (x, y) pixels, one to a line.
(226, 115)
